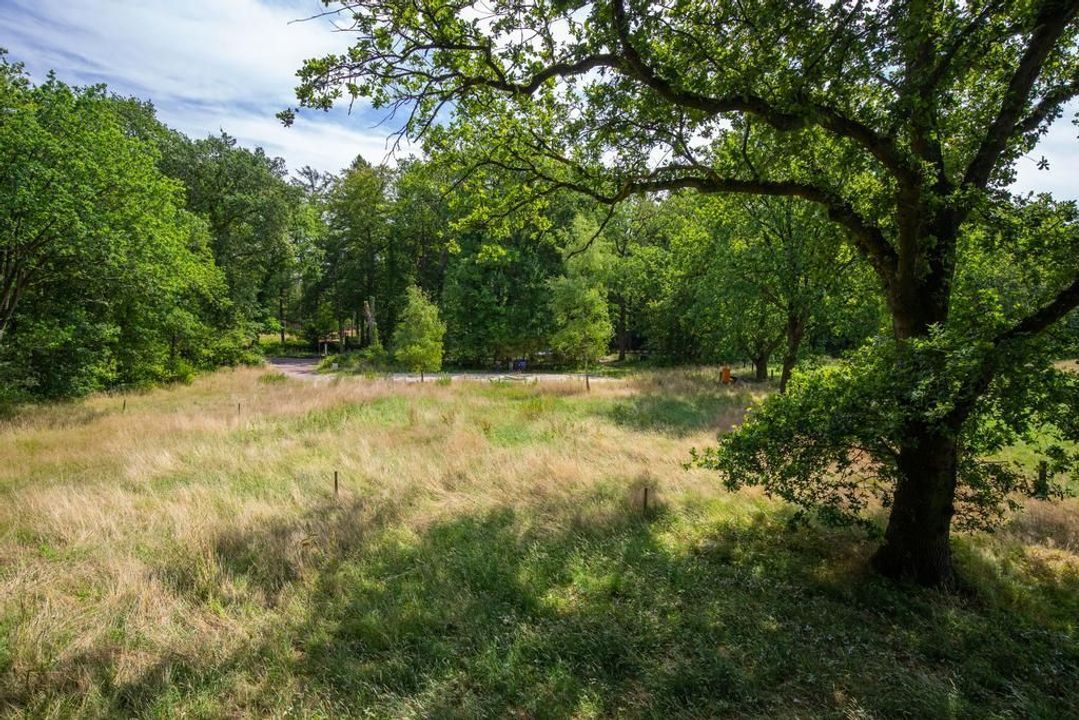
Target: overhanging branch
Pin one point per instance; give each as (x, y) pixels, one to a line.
(867, 237)
(1065, 301)
(881, 147)
(1048, 106)
(1031, 326)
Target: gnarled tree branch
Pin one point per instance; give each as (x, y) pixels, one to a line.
(1053, 19)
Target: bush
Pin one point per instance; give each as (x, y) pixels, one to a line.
(372, 359)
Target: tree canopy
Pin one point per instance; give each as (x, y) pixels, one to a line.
(130, 254)
(105, 278)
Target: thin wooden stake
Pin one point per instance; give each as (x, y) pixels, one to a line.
(125, 406)
(335, 483)
(646, 500)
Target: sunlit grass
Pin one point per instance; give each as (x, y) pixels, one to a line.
(487, 555)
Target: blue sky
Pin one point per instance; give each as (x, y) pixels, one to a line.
(229, 64)
(207, 65)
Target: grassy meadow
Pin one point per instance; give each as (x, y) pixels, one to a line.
(181, 554)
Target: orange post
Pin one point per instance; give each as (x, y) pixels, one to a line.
(726, 375)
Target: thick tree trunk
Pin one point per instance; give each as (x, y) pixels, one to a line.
(788, 368)
(916, 543)
(917, 540)
(760, 365)
(795, 332)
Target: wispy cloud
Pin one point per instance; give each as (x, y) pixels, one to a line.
(207, 66)
(210, 65)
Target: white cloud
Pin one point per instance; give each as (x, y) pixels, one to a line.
(207, 65)
(206, 49)
(327, 146)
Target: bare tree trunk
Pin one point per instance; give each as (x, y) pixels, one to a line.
(369, 321)
(281, 314)
(622, 339)
(795, 332)
(760, 365)
(9, 300)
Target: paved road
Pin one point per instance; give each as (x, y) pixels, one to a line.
(299, 368)
(307, 369)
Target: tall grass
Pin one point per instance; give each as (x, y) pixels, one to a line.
(488, 555)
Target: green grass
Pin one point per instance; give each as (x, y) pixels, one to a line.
(488, 557)
(1028, 454)
(720, 612)
(271, 346)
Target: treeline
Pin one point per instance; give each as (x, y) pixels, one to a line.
(132, 255)
(684, 278)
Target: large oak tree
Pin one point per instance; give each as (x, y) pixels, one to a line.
(903, 120)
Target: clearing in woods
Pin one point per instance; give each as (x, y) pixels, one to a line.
(488, 556)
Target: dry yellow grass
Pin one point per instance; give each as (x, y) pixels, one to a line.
(183, 532)
(102, 504)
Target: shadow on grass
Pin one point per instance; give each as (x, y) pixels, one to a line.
(478, 618)
(488, 615)
(678, 416)
(682, 403)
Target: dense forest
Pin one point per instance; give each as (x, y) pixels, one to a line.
(135, 255)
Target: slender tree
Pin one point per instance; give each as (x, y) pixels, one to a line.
(787, 256)
(417, 341)
(583, 325)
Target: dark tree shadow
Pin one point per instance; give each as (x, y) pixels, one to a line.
(483, 617)
(678, 416)
(538, 615)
